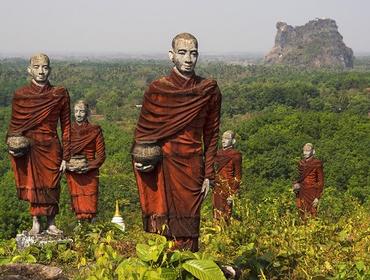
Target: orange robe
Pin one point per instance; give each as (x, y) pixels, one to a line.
(181, 115)
(88, 140)
(229, 171)
(35, 114)
(311, 180)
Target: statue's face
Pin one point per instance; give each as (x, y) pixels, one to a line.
(307, 151)
(81, 113)
(184, 55)
(39, 69)
(227, 140)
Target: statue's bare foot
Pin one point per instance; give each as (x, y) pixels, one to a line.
(34, 230)
(53, 230)
(36, 226)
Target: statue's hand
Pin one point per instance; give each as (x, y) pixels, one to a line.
(229, 200)
(315, 202)
(143, 168)
(71, 169)
(63, 166)
(296, 188)
(207, 184)
(14, 154)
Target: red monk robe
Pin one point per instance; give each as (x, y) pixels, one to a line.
(86, 139)
(178, 113)
(228, 167)
(35, 114)
(311, 180)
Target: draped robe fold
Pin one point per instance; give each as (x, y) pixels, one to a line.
(181, 115)
(36, 111)
(228, 176)
(311, 180)
(88, 140)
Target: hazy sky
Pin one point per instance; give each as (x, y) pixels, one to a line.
(103, 26)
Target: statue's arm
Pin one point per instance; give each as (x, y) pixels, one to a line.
(210, 133)
(99, 152)
(65, 123)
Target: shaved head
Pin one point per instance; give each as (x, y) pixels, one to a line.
(39, 58)
(185, 36)
(308, 145)
(308, 150)
(230, 132)
(82, 103)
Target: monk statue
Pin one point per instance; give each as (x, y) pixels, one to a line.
(310, 184)
(228, 175)
(87, 155)
(37, 157)
(175, 147)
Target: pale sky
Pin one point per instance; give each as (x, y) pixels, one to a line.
(137, 26)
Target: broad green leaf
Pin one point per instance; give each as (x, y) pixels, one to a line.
(131, 268)
(5, 261)
(204, 269)
(187, 255)
(31, 259)
(153, 274)
(360, 266)
(169, 274)
(16, 258)
(142, 251)
(175, 257)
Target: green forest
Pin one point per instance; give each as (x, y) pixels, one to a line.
(274, 112)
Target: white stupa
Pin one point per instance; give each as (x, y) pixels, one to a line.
(117, 218)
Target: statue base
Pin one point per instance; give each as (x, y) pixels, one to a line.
(30, 271)
(25, 240)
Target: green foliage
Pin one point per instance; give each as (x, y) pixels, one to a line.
(156, 260)
(203, 269)
(272, 142)
(114, 88)
(268, 239)
(274, 112)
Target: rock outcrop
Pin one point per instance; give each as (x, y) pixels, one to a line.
(315, 44)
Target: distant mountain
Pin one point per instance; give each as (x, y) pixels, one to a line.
(316, 44)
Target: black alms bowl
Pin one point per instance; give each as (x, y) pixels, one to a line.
(19, 145)
(147, 154)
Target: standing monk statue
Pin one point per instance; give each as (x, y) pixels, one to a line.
(229, 171)
(310, 183)
(37, 158)
(88, 154)
(175, 147)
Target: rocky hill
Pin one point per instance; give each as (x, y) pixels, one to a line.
(315, 44)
